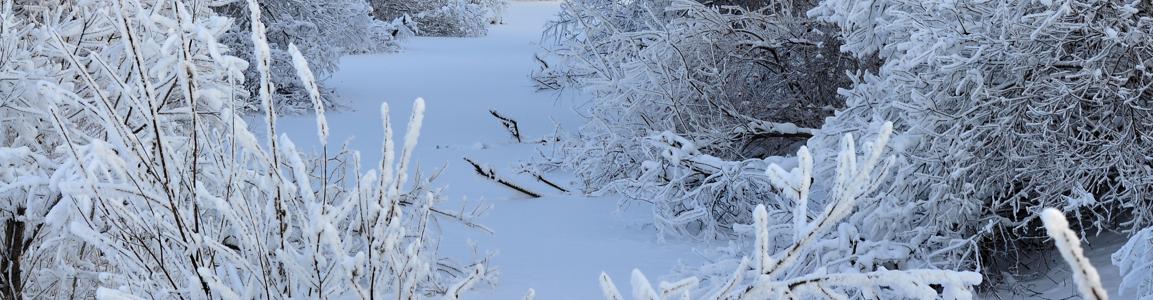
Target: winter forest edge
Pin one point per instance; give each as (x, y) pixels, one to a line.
(801, 149)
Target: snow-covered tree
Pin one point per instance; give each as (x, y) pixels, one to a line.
(1006, 107)
(713, 82)
(128, 169)
(323, 30)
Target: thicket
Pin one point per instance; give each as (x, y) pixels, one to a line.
(127, 170)
(1000, 110)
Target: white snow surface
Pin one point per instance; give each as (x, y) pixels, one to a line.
(558, 244)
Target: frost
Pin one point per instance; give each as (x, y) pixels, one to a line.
(1069, 244)
(697, 92)
(795, 270)
(305, 73)
(128, 169)
(110, 294)
(996, 122)
(442, 17)
(321, 31)
(1135, 260)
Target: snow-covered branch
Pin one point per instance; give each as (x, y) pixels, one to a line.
(128, 170)
(790, 272)
(1135, 260)
(1006, 108)
(1069, 244)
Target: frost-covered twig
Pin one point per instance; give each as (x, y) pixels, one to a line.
(1069, 244)
(265, 88)
(457, 290)
(304, 72)
(321, 31)
(609, 288)
(489, 173)
(121, 181)
(549, 183)
(509, 124)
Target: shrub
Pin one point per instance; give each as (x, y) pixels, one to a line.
(724, 83)
(1006, 108)
(128, 170)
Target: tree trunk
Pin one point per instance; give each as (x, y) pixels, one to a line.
(11, 280)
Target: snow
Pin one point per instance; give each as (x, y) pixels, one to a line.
(79, 170)
(556, 245)
(305, 73)
(1088, 282)
(553, 247)
(1058, 282)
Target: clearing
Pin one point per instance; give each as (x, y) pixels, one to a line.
(557, 244)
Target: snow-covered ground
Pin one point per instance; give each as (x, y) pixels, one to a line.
(557, 244)
(1057, 282)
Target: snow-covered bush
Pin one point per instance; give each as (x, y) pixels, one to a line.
(823, 257)
(1006, 107)
(727, 82)
(750, 4)
(127, 169)
(25, 195)
(1135, 260)
(461, 18)
(323, 30)
(695, 194)
(453, 18)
